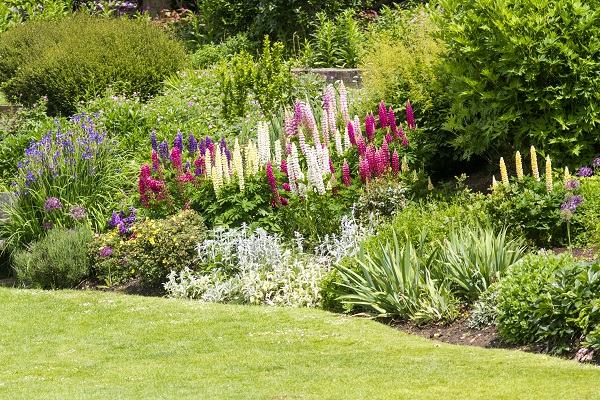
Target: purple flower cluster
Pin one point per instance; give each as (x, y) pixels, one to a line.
(51, 204)
(568, 208)
(597, 162)
(585, 172)
(121, 220)
(106, 251)
(571, 184)
(78, 212)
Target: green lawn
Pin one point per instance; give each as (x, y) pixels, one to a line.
(86, 345)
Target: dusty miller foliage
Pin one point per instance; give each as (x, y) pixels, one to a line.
(256, 267)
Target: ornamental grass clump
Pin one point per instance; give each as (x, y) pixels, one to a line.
(70, 175)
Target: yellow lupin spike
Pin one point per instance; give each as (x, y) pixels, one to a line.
(415, 176)
(404, 166)
(494, 183)
(503, 173)
(519, 165)
(429, 184)
(567, 174)
(534, 165)
(548, 174)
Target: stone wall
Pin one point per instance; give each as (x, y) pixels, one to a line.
(350, 76)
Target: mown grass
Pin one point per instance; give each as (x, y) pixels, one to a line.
(70, 344)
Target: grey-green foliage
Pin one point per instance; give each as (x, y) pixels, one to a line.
(523, 72)
(395, 281)
(57, 260)
(474, 258)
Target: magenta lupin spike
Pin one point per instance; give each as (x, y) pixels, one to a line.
(362, 147)
(386, 153)
(363, 170)
(383, 120)
(388, 138)
(404, 141)
(351, 133)
(346, 174)
(395, 163)
(283, 167)
(370, 156)
(370, 127)
(392, 122)
(273, 184)
(410, 119)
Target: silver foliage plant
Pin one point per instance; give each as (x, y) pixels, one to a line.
(255, 267)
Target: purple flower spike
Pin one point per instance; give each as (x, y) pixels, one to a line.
(597, 162)
(163, 150)
(178, 141)
(153, 141)
(106, 251)
(192, 144)
(571, 184)
(78, 212)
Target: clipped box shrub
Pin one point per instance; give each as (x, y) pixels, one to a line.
(78, 58)
(58, 260)
(149, 251)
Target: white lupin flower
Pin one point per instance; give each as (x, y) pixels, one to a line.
(217, 171)
(314, 171)
(294, 171)
(208, 163)
(548, 174)
(325, 127)
(338, 143)
(238, 165)
(301, 140)
(347, 143)
(264, 143)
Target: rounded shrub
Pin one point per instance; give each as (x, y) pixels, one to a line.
(75, 59)
(523, 73)
(58, 260)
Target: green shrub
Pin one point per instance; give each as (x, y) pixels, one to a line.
(551, 300)
(211, 54)
(334, 43)
(150, 250)
(523, 73)
(268, 81)
(75, 59)
(56, 261)
(528, 209)
(15, 12)
(586, 230)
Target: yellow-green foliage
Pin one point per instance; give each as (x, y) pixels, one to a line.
(401, 63)
(150, 250)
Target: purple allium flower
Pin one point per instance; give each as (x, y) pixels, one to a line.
(178, 141)
(47, 225)
(78, 212)
(192, 144)
(571, 184)
(106, 251)
(51, 204)
(597, 162)
(585, 171)
(153, 141)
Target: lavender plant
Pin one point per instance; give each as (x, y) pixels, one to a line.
(70, 176)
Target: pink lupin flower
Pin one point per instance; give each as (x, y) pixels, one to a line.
(155, 162)
(392, 121)
(286, 186)
(273, 184)
(331, 169)
(346, 174)
(143, 183)
(386, 153)
(362, 147)
(211, 149)
(199, 163)
(188, 177)
(404, 141)
(388, 138)
(298, 114)
(284, 201)
(288, 148)
(410, 119)
(351, 133)
(395, 163)
(383, 120)
(284, 167)
(363, 170)
(370, 126)
(370, 156)
(290, 125)
(176, 160)
(302, 141)
(399, 132)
